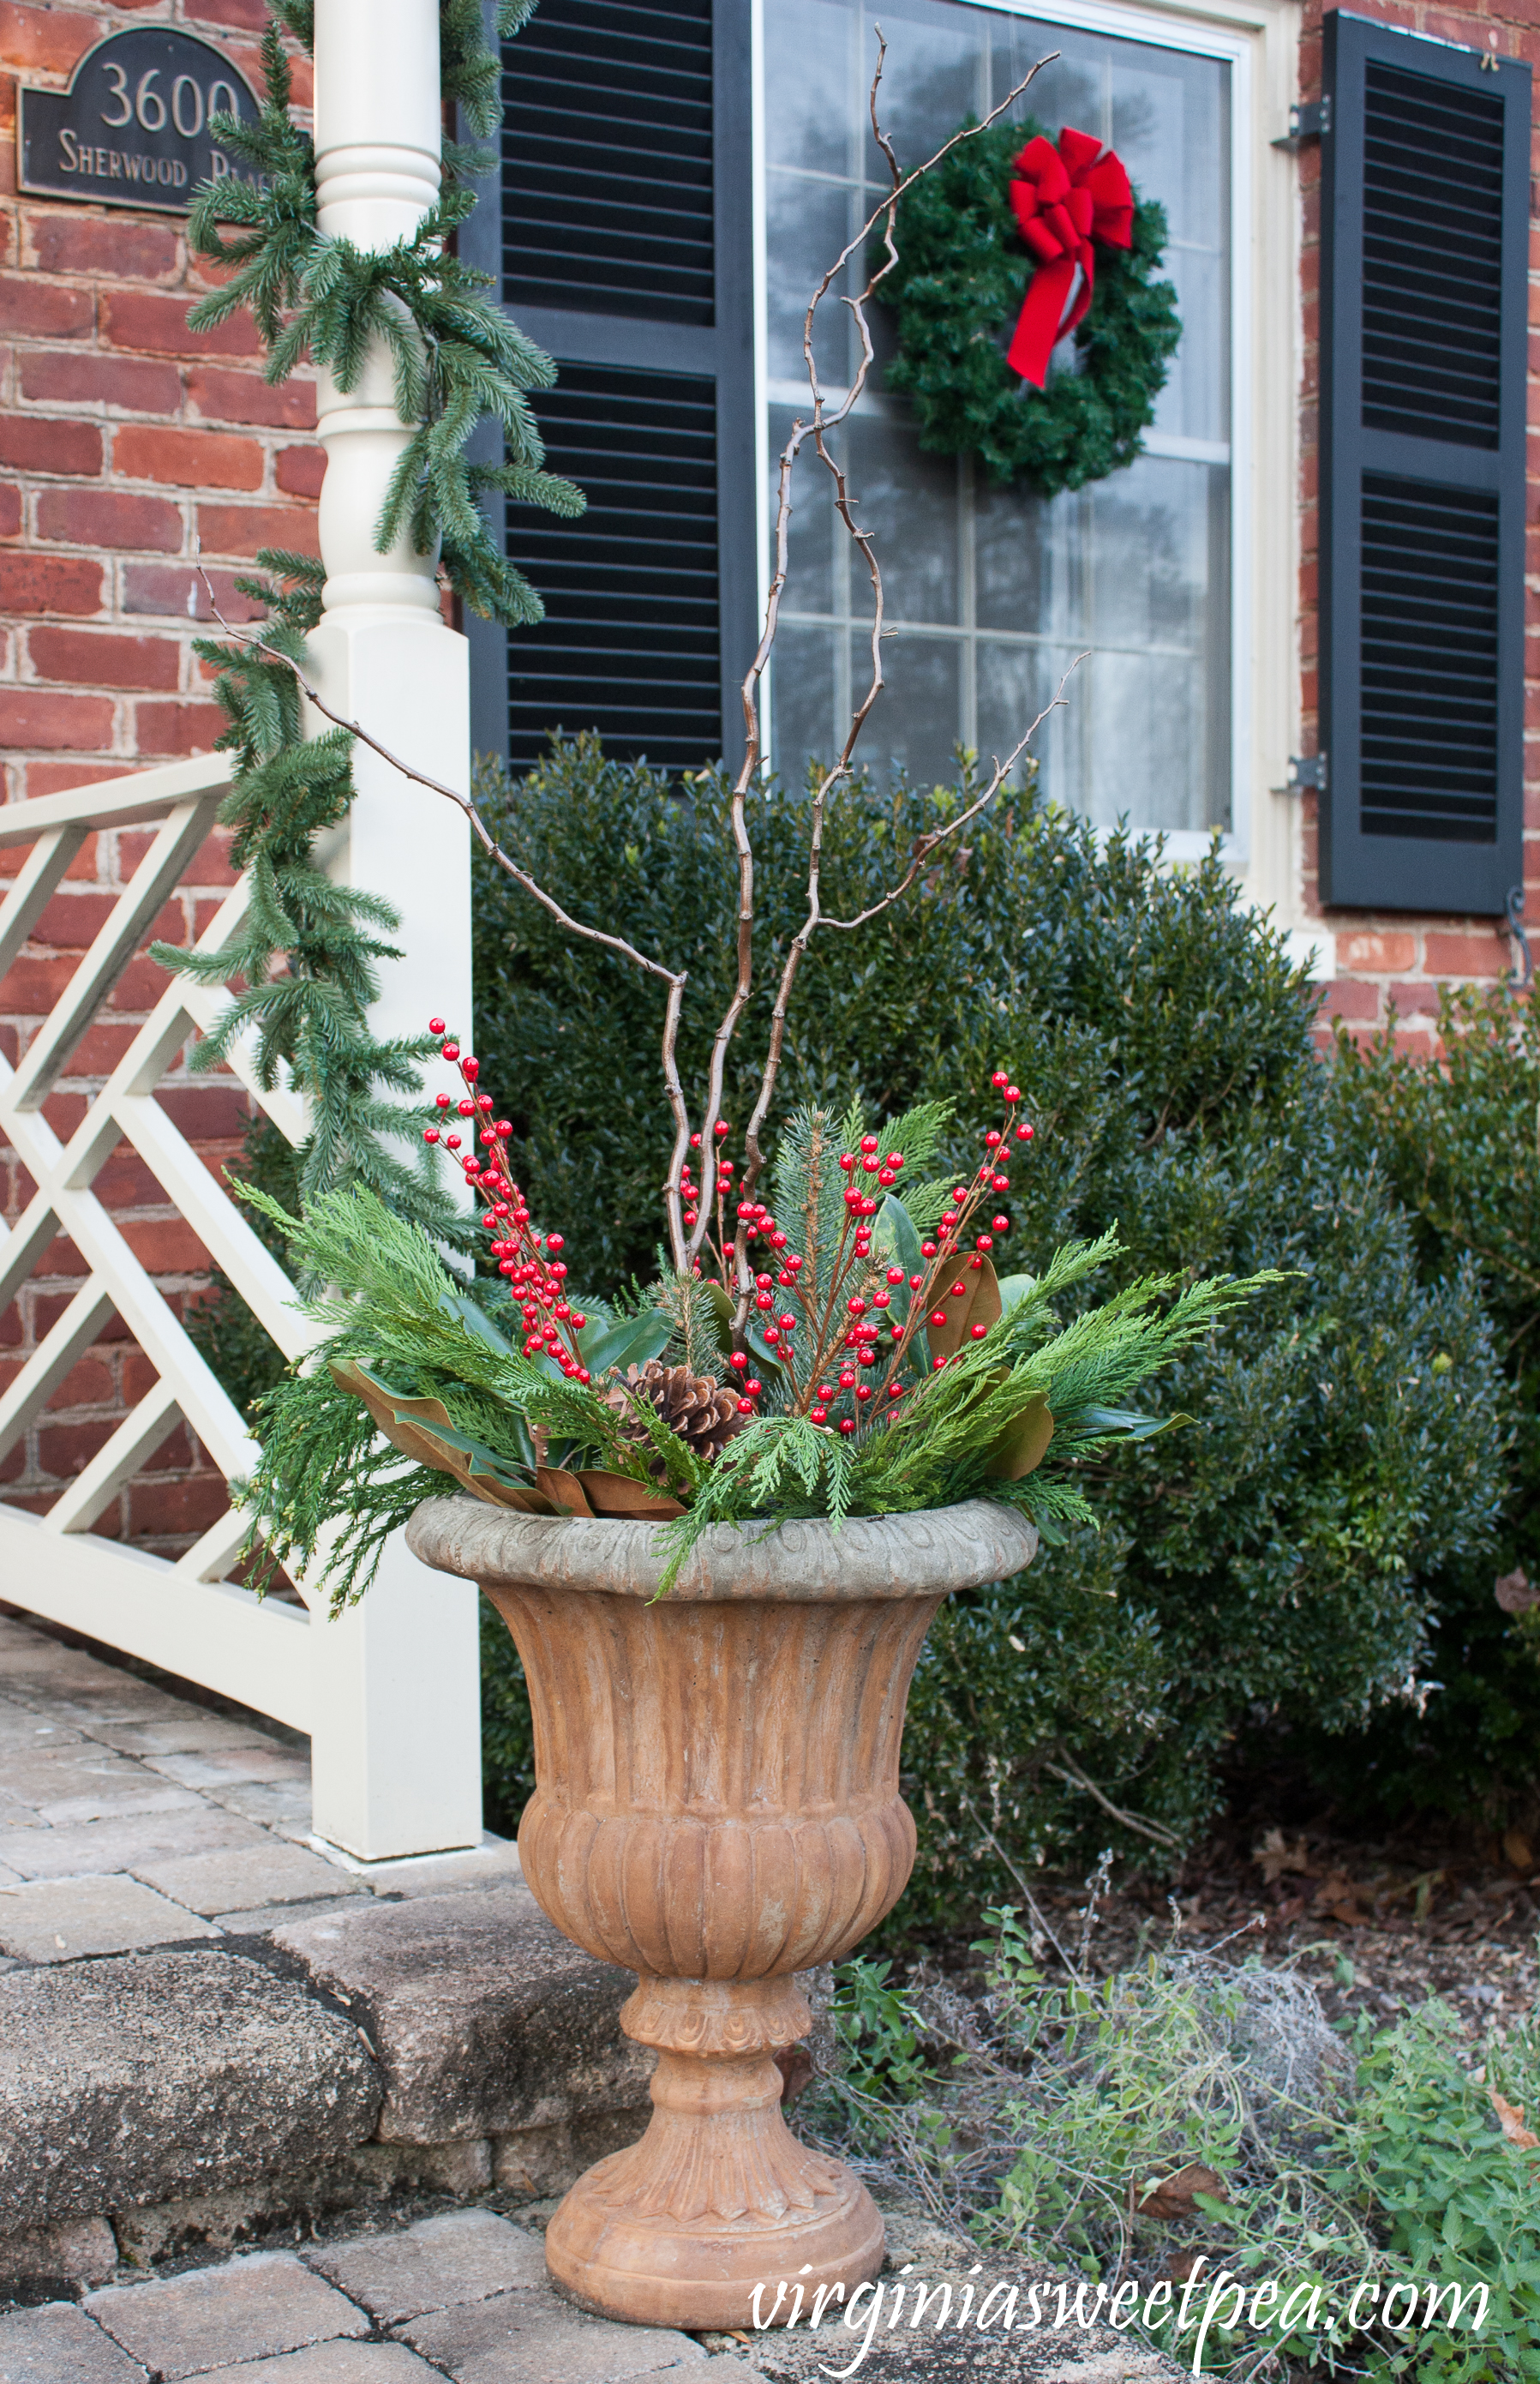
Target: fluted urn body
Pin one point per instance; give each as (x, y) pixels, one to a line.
(717, 1808)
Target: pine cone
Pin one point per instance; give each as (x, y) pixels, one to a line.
(700, 1409)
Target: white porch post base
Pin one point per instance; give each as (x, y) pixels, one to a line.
(396, 1743)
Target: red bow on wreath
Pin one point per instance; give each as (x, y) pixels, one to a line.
(1064, 199)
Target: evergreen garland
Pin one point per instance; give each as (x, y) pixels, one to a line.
(956, 292)
(307, 951)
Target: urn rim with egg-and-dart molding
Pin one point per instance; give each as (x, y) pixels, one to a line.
(717, 1808)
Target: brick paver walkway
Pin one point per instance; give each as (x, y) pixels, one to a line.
(132, 1817)
(462, 2295)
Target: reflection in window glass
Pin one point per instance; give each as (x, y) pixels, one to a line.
(992, 592)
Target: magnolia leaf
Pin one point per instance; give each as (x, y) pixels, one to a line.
(895, 1232)
(1023, 1445)
(976, 1303)
(564, 1490)
(475, 1320)
(421, 1430)
(1127, 1423)
(630, 1343)
(616, 1493)
(1014, 1288)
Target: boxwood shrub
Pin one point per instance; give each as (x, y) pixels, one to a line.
(1276, 1561)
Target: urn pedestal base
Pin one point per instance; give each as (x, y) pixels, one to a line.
(717, 1808)
(719, 2197)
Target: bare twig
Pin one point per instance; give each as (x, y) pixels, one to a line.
(1073, 1777)
(824, 419)
(675, 979)
(1032, 1905)
(822, 422)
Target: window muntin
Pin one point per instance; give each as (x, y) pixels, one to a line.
(992, 592)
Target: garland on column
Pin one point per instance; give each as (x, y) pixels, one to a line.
(308, 948)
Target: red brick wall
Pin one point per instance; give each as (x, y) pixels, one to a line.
(1393, 960)
(125, 438)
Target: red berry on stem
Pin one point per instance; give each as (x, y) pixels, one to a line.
(442, 1100)
(978, 1330)
(754, 1386)
(452, 1051)
(936, 1365)
(1000, 1183)
(869, 1142)
(764, 1299)
(720, 1128)
(430, 1134)
(847, 1423)
(986, 1242)
(847, 1378)
(1025, 1133)
(992, 1137)
(466, 1108)
(928, 1249)
(863, 1390)
(1012, 1092)
(938, 1316)
(855, 1307)
(818, 1415)
(470, 1070)
(555, 1242)
(1001, 1224)
(437, 1026)
(451, 1141)
(1000, 1080)
(846, 1160)
(896, 1274)
(738, 1361)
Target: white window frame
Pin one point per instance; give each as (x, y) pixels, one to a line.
(1258, 41)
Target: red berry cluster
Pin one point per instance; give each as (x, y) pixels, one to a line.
(870, 1170)
(533, 1266)
(756, 1225)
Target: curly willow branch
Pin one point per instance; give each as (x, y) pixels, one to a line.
(825, 418)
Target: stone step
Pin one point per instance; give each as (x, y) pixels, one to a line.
(440, 2043)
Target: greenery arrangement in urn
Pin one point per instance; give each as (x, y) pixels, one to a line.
(845, 1346)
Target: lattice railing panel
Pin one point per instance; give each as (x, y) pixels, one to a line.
(181, 1613)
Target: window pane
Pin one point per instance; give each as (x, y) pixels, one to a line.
(992, 592)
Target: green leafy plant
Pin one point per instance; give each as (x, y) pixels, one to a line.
(899, 1374)
(1190, 2118)
(1268, 1576)
(1455, 1132)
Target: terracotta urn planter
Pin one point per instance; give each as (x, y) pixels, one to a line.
(716, 1808)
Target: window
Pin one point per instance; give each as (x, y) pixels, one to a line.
(993, 592)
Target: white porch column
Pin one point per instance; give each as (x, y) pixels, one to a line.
(397, 1749)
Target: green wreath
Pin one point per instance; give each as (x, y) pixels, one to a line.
(956, 291)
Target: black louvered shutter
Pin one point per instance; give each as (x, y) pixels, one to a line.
(623, 246)
(1425, 235)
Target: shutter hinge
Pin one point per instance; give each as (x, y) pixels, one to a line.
(1307, 121)
(1513, 904)
(1305, 770)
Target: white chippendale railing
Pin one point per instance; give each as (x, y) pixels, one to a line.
(387, 1693)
